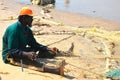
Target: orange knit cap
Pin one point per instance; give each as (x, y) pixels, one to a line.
(26, 11)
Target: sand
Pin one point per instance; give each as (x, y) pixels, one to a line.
(83, 67)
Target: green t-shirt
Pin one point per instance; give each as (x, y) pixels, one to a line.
(18, 37)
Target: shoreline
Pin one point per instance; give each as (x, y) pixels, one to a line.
(67, 18)
(76, 20)
(64, 8)
(88, 16)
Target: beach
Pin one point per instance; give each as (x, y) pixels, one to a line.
(87, 46)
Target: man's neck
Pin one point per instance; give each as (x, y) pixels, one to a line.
(22, 25)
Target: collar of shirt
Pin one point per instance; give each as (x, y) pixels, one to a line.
(19, 23)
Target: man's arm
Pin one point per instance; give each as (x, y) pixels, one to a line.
(34, 44)
(10, 44)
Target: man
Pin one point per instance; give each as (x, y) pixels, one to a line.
(20, 44)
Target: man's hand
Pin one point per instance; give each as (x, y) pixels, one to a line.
(30, 55)
(54, 49)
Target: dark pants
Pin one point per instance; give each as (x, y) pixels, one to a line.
(46, 54)
(42, 54)
(27, 63)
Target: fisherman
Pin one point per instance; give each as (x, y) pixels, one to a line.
(19, 44)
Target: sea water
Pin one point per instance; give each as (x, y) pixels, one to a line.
(104, 9)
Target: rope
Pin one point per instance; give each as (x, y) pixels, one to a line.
(8, 19)
(41, 75)
(96, 32)
(60, 40)
(112, 35)
(101, 75)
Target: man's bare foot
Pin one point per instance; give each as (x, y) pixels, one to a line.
(59, 70)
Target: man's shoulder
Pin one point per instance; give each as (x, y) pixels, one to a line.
(12, 29)
(13, 26)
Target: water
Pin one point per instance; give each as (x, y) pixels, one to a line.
(105, 9)
(24, 1)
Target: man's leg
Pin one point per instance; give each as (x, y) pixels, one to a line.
(46, 54)
(26, 63)
(58, 70)
(37, 66)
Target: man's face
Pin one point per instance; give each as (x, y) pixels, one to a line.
(29, 20)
